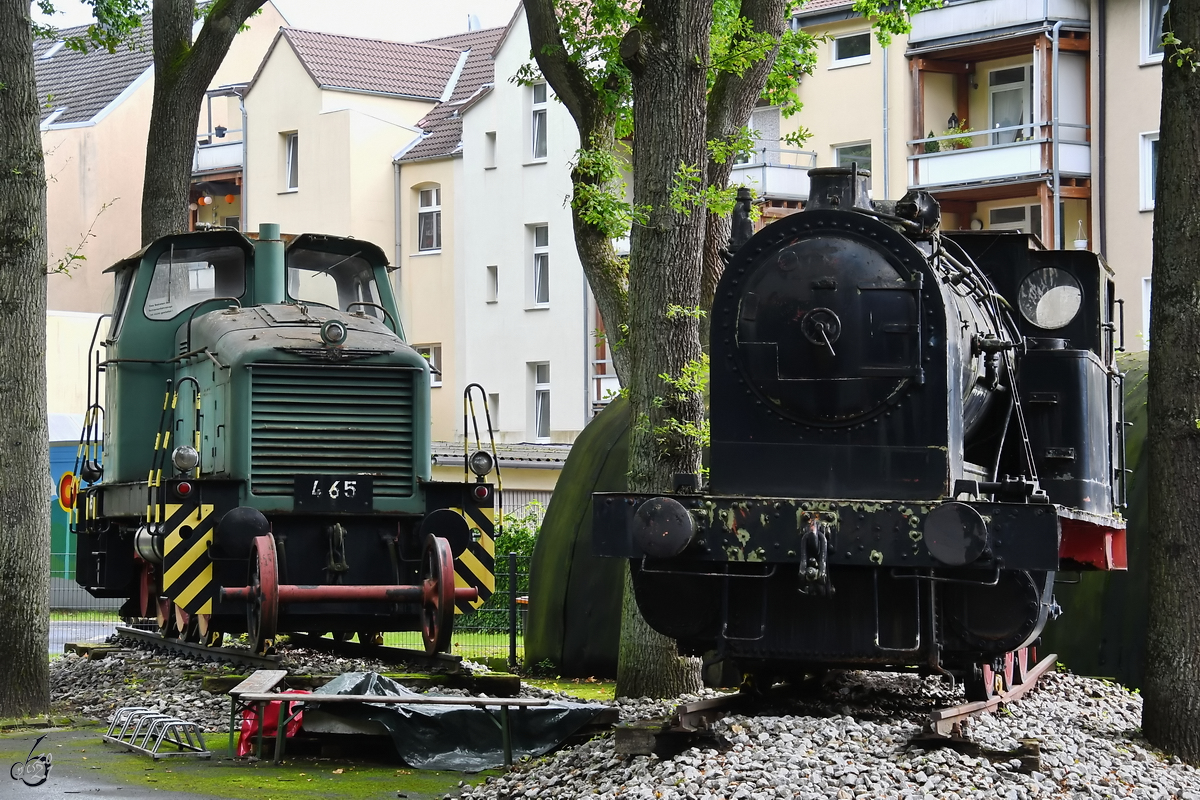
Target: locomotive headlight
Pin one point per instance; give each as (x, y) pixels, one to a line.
(333, 332)
(1049, 298)
(185, 458)
(481, 462)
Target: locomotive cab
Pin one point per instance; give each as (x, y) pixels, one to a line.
(267, 449)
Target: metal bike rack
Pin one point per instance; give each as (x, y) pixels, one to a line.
(145, 730)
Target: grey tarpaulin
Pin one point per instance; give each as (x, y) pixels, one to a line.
(462, 738)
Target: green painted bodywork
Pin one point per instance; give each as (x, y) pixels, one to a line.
(223, 341)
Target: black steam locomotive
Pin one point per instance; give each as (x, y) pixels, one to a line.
(912, 433)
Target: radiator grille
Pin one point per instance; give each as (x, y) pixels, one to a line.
(331, 420)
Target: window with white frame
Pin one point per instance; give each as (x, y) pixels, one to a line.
(851, 50)
(433, 354)
(541, 265)
(541, 401)
(847, 154)
(539, 120)
(1154, 25)
(1010, 103)
(291, 161)
(1149, 179)
(429, 219)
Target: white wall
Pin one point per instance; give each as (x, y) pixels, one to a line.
(499, 340)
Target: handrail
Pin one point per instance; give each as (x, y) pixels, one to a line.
(990, 131)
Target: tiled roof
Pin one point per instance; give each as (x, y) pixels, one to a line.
(442, 126)
(525, 454)
(83, 84)
(374, 65)
(822, 5)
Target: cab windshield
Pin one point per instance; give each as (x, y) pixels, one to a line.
(333, 279)
(184, 277)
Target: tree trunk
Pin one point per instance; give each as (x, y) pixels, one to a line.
(668, 55)
(24, 454)
(1171, 713)
(182, 73)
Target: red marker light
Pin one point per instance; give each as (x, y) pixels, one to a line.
(481, 492)
(183, 489)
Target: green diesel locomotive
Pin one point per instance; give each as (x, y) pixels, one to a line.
(261, 460)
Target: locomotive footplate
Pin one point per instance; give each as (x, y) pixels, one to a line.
(820, 533)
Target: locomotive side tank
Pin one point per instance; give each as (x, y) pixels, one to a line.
(885, 489)
(266, 450)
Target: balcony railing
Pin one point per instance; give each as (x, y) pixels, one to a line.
(994, 162)
(776, 173)
(958, 19)
(213, 154)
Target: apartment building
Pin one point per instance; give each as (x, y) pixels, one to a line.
(1031, 115)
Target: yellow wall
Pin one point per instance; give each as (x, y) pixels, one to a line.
(835, 121)
(535, 479)
(427, 286)
(346, 144)
(68, 336)
(87, 169)
(1134, 94)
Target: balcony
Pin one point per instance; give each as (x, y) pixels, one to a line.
(217, 157)
(985, 162)
(988, 19)
(776, 174)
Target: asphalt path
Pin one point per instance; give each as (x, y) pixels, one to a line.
(63, 631)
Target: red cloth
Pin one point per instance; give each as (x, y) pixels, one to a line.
(249, 729)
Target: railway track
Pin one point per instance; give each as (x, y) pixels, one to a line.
(155, 640)
(440, 662)
(692, 723)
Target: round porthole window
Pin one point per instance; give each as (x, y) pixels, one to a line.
(1049, 298)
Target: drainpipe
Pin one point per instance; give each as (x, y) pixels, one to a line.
(886, 194)
(1054, 135)
(396, 231)
(1099, 126)
(245, 204)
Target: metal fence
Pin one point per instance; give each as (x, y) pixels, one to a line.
(495, 633)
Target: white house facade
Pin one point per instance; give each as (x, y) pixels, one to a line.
(525, 317)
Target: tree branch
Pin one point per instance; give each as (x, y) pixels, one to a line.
(570, 82)
(730, 103)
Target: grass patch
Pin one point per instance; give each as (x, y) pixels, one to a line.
(583, 688)
(471, 645)
(83, 762)
(85, 616)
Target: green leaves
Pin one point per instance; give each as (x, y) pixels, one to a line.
(890, 18)
(116, 21)
(688, 193)
(600, 192)
(1178, 53)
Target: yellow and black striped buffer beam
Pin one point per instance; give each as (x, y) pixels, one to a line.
(475, 568)
(187, 570)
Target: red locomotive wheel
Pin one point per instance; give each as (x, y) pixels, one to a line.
(262, 610)
(1009, 670)
(1021, 661)
(980, 683)
(437, 594)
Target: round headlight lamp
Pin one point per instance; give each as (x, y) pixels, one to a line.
(333, 332)
(185, 458)
(481, 462)
(1049, 298)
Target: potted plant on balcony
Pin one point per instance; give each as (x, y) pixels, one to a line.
(962, 142)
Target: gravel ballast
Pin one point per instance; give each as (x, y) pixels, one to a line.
(849, 744)
(1088, 730)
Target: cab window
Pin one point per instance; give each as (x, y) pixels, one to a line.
(334, 280)
(184, 277)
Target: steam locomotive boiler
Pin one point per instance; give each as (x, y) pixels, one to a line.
(261, 461)
(912, 433)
